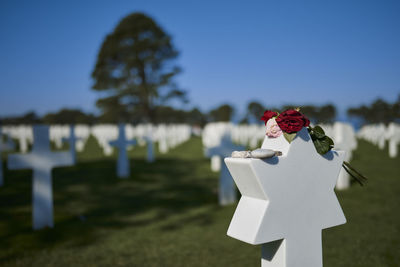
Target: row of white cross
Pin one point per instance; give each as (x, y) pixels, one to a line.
(379, 134)
(42, 160)
(167, 136)
(219, 141)
(286, 201)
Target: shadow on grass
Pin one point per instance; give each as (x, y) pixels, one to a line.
(89, 199)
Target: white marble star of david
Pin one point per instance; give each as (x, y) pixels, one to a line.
(287, 201)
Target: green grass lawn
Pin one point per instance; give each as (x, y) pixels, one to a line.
(166, 214)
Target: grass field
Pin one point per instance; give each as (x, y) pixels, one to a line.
(166, 214)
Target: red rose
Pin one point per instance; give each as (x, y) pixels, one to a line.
(292, 121)
(268, 114)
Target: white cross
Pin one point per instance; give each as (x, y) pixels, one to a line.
(72, 142)
(227, 188)
(162, 145)
(42, 160)
(123, 169)
(286, 202)
(150, 147)
(4, 146)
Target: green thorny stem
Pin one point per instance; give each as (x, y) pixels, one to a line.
(361, 179)
(324, 143)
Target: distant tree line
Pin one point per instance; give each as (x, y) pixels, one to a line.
(64, 116)
(317, 114)
(135, 71)
(27, 118)
(165, 114)
(378, 111)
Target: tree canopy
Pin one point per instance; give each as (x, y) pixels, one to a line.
(28, 118)
(69, 116)
(317, 114)
(255, 110)
(221, 113)
(378, 111)
(135, 71)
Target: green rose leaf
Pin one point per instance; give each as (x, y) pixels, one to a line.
(330, 141)
(318, 132)
(289, 136)
(322, 142)
(323, 145)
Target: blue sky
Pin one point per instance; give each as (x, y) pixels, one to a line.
(276, 52)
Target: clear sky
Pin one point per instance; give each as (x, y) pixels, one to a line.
(343, 52)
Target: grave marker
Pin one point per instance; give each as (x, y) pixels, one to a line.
(227, 188)
(4, 146)
(72, 139)
(286, 202)
(150, 146)
(42, 160)
(123, 168)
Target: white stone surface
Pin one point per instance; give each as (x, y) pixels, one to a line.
(82, 133)
(42, 160)
(58, 133)
(72, 139)
(227, 189)
(216, 163)
(123, 167)
(150, 150)
(150, 147)
(262, 153)
(374, 133)
(344, 138)
(246, 135)
(278, 143)
(105, 133)
(23, 133)
(4, 146)
(378, 134)
(286, 202)
(393, 136)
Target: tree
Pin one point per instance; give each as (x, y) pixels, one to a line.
(326, 114)
(316, 114)
(69, 116)
(255, 111)
(379, 111)
(196, 117)
(309, 111)
(221, 113)
(134, 68)
(29, 118)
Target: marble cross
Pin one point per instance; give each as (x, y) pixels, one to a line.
(393, 136)
(42, 160)
(150, 148)
(227, 188)
(24, 137)
(163, 145)
(216, 162)
(287, 201)
(393, 144)
(72, 139)
(123, 169)
(345, 139)
(4, 146)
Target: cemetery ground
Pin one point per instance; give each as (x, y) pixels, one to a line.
(167, 214)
